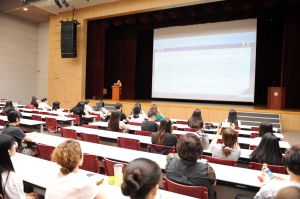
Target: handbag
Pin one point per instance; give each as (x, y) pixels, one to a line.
(203, 139)
(28, 148)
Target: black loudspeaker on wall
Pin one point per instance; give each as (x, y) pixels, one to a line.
(68, 39)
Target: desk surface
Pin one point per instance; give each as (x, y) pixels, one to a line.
(241, 176)
(25, 121)
(58, 118)
(32, 170)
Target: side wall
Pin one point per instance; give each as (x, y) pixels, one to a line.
(18, 55)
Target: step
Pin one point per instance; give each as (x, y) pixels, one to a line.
(250, 114)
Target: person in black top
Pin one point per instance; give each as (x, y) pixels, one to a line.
(8, 107)
(164, 134)
(118, 107)
(13, 130)
(79, 110)
(150, 124)
(35, 102)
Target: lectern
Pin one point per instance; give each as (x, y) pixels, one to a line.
(116, 93)
(276, 98)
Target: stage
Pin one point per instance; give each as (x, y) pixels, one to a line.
(211, 112)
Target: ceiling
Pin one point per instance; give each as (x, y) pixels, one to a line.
(40, 10)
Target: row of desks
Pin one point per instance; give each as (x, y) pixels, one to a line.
(235, 176)
(32, 171)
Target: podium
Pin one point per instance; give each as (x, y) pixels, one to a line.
(276, 98)
(116, 93)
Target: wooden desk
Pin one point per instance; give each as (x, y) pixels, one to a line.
(58, 118)
(227, 175)
(27, 122)
(32, 171)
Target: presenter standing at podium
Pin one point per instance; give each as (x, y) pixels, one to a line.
(120, 84)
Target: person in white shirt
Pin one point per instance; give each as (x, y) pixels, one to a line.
(88, 109)
(67, 183)
(136, 115)
(291, 160)
(44, 104)
(11, 184)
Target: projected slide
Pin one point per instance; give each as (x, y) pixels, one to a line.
(217, 64)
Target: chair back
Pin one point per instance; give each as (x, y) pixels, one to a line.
(253, 135)
(44, 113)
(66, 110)
(273, 168)
(1, 197)
(54, 114)
(51, 124)
(128, 143)
(97, 118)
(135, 123)
(89, 126)
(90, 138)
(109, 166)
(144, 133)
(21, 110)
(39, 109)
(119, 130)
(223, 161)
(2, 123)
(36, 112)
(90, 163)
(174, 127)
(254, 128)
(77, 119)
(36, 117)
(181, 122)
(252, 147)
(178, 136)
(44, 151)
(160, 149)
(200, 192)
(190, 129)
(237, 128)
(69, 133)
(3, 113)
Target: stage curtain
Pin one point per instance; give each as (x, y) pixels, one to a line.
(95, 61)
(291, 56)
(120, 60)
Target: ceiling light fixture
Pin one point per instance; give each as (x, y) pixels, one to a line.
(57, 3)
(65, 2)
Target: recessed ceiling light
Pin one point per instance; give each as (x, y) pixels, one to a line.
(25, 9)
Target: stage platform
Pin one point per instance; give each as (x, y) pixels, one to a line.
(211, 112)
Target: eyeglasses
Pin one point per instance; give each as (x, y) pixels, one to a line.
(16, 144)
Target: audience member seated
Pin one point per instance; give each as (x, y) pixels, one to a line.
(79, 110)
(11, 184)
(288, 193)
(9, 106)
(159, 116)
(104, 113)
(230, 148)
(232, 118)
(184, 167)
(44, 104)
(196, 120)
(291, 160)
(268, 151)
(164, 134)
(119, 107)
(141, 111)
(115, 124)
(150, 124)
(88, 109)
(13, 130)
(56, 106)
(141, 179)
(264, 127)
(34, 103)
(137, 116)
(67, 183)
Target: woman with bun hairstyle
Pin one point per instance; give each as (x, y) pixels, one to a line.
(230, 148)
(141, 179)
(44, 104)
(67, 183)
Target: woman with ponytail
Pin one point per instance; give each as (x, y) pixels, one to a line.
(11, 184)
(164, 134)
(67, 183)
(230, 148)
(141, 179)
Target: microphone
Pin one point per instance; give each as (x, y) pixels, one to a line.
(273, 83)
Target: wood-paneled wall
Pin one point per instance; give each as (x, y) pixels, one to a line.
(66, 77)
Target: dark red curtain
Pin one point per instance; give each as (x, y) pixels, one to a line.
(120, 59)
(291, 56)
(95, 61)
